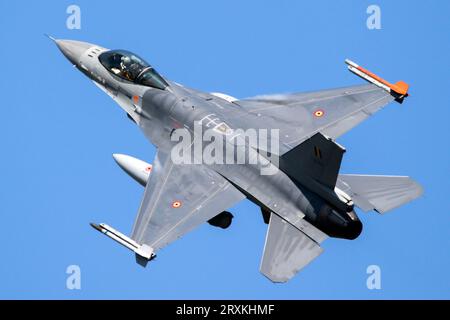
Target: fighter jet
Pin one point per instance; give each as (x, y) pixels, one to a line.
(295, 180)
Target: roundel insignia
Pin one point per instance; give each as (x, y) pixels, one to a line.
(319, 113)
(176, 204)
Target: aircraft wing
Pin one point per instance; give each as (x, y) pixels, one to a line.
(332, 112)
(178, 198)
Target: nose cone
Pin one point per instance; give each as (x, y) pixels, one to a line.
(73, 50)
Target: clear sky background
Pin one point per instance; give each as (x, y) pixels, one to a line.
(58, 132)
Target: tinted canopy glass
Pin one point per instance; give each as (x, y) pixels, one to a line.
(131, 67)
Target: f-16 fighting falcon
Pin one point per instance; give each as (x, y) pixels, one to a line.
(291, 169)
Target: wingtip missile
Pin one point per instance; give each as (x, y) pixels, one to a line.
(144, 251)
(96, 227)
(399, 89)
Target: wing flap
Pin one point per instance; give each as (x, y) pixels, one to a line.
(287, 250)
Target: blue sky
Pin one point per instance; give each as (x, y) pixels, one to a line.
(58, 132)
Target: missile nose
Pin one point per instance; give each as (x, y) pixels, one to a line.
(73, 50)
(96, 226)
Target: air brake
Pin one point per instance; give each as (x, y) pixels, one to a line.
(144, 253)
(399, 90)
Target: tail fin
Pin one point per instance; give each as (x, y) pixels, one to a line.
(318, 158)
(379, 193)
(315, 164)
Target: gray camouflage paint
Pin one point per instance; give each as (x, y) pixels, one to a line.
(304, 210)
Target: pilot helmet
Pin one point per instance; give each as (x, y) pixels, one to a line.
(126, 60)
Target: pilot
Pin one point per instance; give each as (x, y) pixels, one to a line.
(125, 64)
(131, 67)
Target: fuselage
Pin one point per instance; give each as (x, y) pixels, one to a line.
(161, 108)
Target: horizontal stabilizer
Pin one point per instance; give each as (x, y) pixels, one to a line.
(379, 193)
(287, 250)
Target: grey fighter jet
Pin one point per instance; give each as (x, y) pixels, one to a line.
(303, 198)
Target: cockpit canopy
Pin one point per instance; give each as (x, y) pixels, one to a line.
(130, 67)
